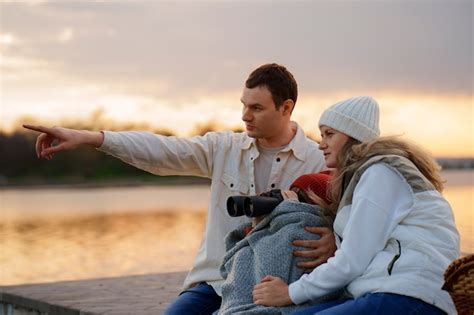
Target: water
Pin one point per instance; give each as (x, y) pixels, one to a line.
(68, 234)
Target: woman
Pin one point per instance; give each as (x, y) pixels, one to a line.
(395, 232)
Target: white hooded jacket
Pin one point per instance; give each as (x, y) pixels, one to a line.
(395, 234)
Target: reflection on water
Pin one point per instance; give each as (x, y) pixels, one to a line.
(459, 191)
(462, 202)
(98, 246)
(67, 234)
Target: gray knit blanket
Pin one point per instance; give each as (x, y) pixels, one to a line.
(267, 251)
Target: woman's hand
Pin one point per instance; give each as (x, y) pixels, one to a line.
(271, 291)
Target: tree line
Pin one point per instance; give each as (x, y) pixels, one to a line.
(20, 166)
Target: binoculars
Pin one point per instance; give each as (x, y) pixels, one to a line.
(254, 206)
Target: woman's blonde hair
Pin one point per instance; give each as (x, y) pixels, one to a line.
(354, 153)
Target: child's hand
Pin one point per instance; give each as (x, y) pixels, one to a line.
(289, 194)
(271, 291)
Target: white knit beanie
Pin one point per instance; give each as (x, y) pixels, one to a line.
(357, 117)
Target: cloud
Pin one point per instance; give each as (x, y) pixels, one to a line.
(210, 47)
(6, 39)
(176, 64)
(66, 35)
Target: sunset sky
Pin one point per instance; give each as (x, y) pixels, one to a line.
(177, 64)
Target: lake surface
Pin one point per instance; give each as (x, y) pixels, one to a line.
(53, 234)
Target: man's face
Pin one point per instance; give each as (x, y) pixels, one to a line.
(262, 119)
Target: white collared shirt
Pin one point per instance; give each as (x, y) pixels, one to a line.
(228, 159)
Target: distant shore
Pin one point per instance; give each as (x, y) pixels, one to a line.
(88, 168)
(152, 180)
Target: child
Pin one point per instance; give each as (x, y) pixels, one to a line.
(267, 249)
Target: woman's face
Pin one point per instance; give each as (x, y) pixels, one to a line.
(331, 144)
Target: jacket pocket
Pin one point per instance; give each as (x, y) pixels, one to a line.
(378, 266)
(234, 184)
(395, 258)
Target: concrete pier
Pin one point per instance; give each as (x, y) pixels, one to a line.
(138, 295)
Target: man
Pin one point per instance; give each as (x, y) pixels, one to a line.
(271, 154)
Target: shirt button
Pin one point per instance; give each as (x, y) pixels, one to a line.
(251, 159)
(231, 185)
(278, 159)
(251, 185)
(273, 185)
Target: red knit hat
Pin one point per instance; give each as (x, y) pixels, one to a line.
(317, 183)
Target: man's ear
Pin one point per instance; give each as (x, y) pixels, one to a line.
(288, 106)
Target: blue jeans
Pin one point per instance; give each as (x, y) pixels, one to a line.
(373, 303)
(199, 300)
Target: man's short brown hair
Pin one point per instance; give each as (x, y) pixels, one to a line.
(277, 79)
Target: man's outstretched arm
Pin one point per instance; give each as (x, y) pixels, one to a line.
(57, 139)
